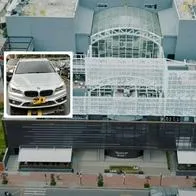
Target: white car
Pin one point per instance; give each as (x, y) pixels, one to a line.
(36, 84)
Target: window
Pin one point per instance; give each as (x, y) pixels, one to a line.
(151, 6)
(102, 5)
(28, 67)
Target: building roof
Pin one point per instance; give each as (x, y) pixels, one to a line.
(126, 17)
(186, 9)
(48, 8)
(186, 157)
(45, 155)
(84, 14)
(169, 28)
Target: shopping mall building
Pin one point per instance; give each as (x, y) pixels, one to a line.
(134, 72)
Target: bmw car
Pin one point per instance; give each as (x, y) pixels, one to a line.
(36, 84)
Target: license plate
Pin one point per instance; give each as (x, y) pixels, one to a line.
(39, 100)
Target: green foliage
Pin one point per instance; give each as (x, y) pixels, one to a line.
(146, 185)
(125, 169)
(100, 182)
(4, 180)
(168, 160)
(1, 106)
(2, 142)
(5, 35)
(52, 180)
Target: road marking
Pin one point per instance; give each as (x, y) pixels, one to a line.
(34, 192)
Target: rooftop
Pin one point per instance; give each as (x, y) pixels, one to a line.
(126, 17)
(44, 8)
(186, 9)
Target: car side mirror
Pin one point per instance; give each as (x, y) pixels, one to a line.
(9, 75)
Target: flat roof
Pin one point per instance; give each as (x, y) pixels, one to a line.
(169, 28)
(47, 8)
(186, 9)
(61, 155)
(186, 157)
(122, 17)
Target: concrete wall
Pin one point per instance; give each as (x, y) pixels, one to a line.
(82, 43)
(169, 45)
(92, 4)
(83, 20)
(186, 42)
(48, 33)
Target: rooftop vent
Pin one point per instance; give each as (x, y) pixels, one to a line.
(102, 5)
(151, 6)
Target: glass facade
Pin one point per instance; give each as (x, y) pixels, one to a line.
(126, 32)
(125, 46)
(90, 134)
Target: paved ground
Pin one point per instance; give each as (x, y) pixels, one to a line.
(37, 179)
(67, 192)
(94, 161)
(107, 192)
(14, 191)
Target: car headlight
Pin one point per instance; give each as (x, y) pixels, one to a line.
(14, 90)
(60, 88)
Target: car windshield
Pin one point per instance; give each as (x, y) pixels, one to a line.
(28, 67)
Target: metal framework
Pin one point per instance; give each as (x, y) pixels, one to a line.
(18, 43)
(120, 86)
(126, 42)
(79, 64)
(126, 72)
(126, 32)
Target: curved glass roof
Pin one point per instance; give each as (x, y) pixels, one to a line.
(126, 17)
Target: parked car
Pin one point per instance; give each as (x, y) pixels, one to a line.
(36, 84)
(6, 193)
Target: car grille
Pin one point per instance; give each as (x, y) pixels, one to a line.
(44, 104)
(46, 92)
(31, 93)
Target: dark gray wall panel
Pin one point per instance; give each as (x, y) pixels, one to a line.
(98, 134)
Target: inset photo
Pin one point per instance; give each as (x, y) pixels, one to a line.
(38, 84)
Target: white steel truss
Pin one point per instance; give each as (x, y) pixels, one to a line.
(120, 86)
(126, 42)
(126, 31)
(79, 64)
(104, 70)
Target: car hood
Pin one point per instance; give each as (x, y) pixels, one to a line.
(37, 80)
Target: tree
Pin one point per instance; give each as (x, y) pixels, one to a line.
(52, 180)
(4, 180)
(146, 185)
(5, 35)
(100, 182)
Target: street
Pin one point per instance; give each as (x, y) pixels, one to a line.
(14, 191)
(97, 192)
(73, 192)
